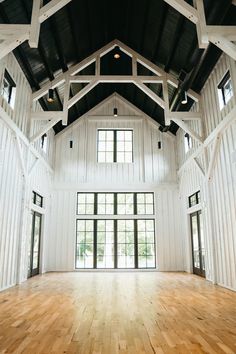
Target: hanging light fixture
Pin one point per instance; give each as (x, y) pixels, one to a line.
(184, 98)
(115, 112)
(117, 54)
(50, 98)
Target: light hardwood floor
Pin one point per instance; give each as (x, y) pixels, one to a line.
(109, 313)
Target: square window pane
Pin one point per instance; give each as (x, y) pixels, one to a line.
(81, 209)
(101, 198)
(81, 237)
(150, 225)
(109, 157)
(149, 198)
(142, 262)
(150, 237)
(102, 135)
(149, 209)
(120, 146)
(150, 261)
(128, 135)
(101, 237)
(128, 146)
(121, 262)
(101, 209)
(142, 237)
(80, 225)
(109, 146)
(109, 135)
(120, 156)
(121, 237)
(81, 198)
(90, 198)
(121, 249)
(141, 209)
(120, 134)
(142, 249)
(101, 146)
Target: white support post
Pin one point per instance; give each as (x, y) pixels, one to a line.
(44, 130)
(65, 103)
(188, 130)
(201, 25)
(82, 93)
(166, 99)
(35, 25)
(215, 150)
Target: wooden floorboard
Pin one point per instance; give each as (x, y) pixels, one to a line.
(110, 313)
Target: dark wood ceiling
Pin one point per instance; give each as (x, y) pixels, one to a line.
(150, 27)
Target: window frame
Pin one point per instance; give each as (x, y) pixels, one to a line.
(34, 199)
(115, 223)
(11, 85)
(114, 145)
(221, 89)
(197, 198)
(115, 205)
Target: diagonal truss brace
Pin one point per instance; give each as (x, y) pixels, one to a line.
(221, 36)
(12, 36)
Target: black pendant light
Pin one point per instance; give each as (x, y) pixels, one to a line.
(50, 98)
(184, 98)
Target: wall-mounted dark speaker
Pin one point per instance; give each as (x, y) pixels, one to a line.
(71, 144)
(159, 144)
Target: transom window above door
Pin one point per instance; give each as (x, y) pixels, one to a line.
(138, 203)
(114, 145)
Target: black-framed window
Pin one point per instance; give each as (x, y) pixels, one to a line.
(115, 243)
(9, 89)
(145, 204)
(85, 244)
(115, 145)
(131, 203)
(85, 203)
(105, 203)
(194, 199)
(125, 203)
(225, 90)
(37, 199)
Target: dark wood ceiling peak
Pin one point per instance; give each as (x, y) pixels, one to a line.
(150, 27)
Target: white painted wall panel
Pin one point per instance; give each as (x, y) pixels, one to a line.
(79, 165)
(218, 195)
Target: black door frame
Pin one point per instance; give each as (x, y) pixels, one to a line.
(32, 272)
(198, 271)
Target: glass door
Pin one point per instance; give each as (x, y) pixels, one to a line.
(198, 246)
(34, 247)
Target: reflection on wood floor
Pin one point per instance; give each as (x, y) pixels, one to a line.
(109, 313)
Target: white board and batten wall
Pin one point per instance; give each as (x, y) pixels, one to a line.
(15, 188)
(219, 194)
(77, 169)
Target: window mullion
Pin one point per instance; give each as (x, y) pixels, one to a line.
(115, 146)
(115, 245)
(95, 244)
(136, 244)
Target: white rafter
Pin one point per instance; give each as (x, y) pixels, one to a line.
(221, 36)
(14, 35)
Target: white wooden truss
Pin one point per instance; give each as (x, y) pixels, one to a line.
(221, 36)
(158, 76)
(11, 36)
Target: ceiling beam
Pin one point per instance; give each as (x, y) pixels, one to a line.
(44, 129)
(220, 36)
(185, 9)
(51, 8)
